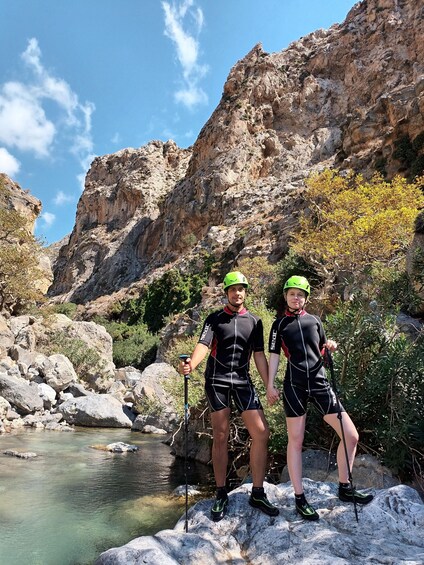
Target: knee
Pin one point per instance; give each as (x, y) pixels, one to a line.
(260, 433)
(296, 441)
(353, 438)
(220, 435)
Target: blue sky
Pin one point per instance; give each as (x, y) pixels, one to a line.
(80, 78)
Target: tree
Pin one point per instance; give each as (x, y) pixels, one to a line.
(19, 261)
(350, 224)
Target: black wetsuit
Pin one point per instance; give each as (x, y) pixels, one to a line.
(232, 337)
(302, 338)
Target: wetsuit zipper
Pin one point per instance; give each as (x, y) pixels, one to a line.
(234, 345)
(306, 353)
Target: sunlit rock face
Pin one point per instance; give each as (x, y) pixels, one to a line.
(339, 97)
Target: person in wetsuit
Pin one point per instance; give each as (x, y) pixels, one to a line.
(302, 339)
(233, 335)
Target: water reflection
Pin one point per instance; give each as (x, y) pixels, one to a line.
(72, 502)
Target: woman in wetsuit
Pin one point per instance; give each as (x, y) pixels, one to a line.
(302, 338)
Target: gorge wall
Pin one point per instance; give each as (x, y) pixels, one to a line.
(339, 97)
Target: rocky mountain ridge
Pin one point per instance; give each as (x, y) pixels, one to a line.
(338, 97)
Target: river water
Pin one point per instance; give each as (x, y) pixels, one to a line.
(72, 502)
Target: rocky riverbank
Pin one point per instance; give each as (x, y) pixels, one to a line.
(389, 530)
(42, 389)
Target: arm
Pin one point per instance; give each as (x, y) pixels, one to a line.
(262, 365)
(272, 393)
(325, 343)
(199, 353)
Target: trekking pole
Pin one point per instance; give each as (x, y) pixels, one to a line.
(339, 416)
(186, 416)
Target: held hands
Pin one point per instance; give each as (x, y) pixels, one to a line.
(272, 394)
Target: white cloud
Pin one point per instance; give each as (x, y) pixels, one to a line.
(27, 122)
(187, 49)
(191, 96)
(62, 198)
(23, 123)
(116, 138)
(8, 164)
(48, 218)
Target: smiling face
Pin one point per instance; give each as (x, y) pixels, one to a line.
(295, 298)
(236, 294)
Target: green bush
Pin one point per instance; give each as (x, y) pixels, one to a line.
(172, 293)
(379, 371)
(86, 361)
(133, 346)
(67, 308)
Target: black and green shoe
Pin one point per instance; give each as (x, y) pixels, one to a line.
(219, 508)
(347, 494)
(261, 502)
(307, 511)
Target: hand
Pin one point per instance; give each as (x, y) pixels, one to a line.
(185, 366)
(272, 395)
(331, 345)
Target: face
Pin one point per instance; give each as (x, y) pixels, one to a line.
(295, 298)
(236, 295)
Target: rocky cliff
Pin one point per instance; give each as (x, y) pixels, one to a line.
(339, 97)
(14, 198)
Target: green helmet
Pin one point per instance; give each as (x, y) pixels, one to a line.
(235, 277)
(298, 282)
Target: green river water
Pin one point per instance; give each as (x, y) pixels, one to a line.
(72, 502)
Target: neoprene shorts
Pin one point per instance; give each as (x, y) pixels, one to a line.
(295, 399)
(220, 394)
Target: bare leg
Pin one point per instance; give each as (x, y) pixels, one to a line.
(351, 437)
(220, 427)
(296, 433)
(257, 426)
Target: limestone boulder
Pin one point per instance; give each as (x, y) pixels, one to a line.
(151, 397)
(89, 335)
(101, 410)
(4, 407)
(367, 470)
(22, 396)
(59, 372)
(389, 530)
(7, 338)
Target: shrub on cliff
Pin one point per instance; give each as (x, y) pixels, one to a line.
(19, 261)
(351, 224)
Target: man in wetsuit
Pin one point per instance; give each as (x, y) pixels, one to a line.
(301, 337)
(233, 335)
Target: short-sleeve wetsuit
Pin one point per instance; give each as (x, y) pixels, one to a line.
(302, 338)
(232, 337)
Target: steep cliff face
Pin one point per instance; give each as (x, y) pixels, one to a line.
(13, 197)
(122, 196)
(339, 97)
